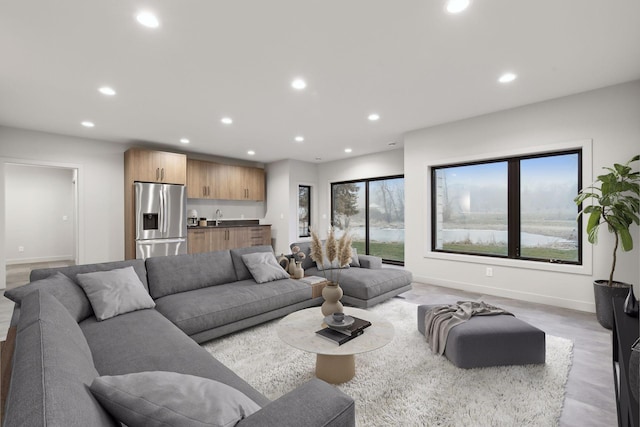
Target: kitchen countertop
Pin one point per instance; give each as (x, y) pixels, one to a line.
(228, 224)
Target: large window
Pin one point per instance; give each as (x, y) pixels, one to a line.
(304, 210)
(520, 207)
(373, 212)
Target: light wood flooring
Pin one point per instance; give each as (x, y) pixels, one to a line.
(590, 397)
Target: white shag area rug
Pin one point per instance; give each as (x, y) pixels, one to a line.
(404, 384)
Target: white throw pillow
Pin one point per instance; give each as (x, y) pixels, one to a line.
(114, 292)
(158, 398)
(264, 267)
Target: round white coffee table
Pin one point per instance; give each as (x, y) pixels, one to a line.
(334, 364)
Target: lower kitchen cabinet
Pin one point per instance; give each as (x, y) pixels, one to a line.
(209, 239)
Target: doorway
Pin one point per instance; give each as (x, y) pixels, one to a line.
(40, 219)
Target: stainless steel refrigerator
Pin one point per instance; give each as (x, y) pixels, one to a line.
(161, 224)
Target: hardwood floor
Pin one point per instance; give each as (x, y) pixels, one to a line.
(590, 398)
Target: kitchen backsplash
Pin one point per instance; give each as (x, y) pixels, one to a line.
(230, 209)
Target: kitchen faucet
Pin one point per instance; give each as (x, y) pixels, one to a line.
(218, 216)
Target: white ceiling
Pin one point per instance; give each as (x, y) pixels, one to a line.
(409, 61)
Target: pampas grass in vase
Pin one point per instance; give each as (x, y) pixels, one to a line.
(338, 256)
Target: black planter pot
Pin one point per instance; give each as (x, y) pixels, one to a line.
(603, 294)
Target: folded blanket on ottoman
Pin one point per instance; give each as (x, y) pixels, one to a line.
(440, 319)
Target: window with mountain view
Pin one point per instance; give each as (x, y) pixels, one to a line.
(520, 207)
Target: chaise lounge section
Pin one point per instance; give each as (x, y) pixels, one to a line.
(365, 283)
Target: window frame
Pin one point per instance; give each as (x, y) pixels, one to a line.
(366, 182)
(513, 205)
(309, 189)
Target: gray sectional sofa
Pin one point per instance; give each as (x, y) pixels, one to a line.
(61, 348)
(365, 283)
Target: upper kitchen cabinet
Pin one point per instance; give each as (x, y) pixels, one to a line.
(207, 180)
(201, 180)
(155, 166)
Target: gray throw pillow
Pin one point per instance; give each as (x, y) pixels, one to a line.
(326, 265)
(65, 290)
(264, 267)
(160, 398)
(355, 261)
(115, 292)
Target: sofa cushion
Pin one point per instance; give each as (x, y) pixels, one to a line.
(208, 308)
(264, 267)
(52, 369)
(242, 272)
(179, 273)
(145, 340)
(159, 398)
(355, 260)
(60, 286)
(114, 292)
(72, 271)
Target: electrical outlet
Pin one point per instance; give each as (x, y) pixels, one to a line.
(489, 272)
(20, 248)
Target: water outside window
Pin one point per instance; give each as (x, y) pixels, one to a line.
(471, 208)
(548, 227)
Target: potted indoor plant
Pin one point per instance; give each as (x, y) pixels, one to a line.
(615, 201)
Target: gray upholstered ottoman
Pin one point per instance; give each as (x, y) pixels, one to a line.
(491, 341)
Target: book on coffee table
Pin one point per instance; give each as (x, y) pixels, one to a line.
(357, 325)
(337, 337)
(312, 280)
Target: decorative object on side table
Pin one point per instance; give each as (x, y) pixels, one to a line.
(295, 263)
(615, 201)
(338, 255)
(631, 304)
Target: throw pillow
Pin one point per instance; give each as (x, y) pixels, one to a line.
(264, 267)
(170, 399)
(355, 261)
(115, 292)
(62, 288)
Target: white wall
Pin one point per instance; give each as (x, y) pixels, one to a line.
(40, 213)
(386, 163)
(100, 186)
(610, 117)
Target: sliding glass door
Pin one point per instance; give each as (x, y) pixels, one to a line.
(373, 212)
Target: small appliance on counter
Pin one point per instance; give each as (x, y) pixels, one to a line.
(192, 218)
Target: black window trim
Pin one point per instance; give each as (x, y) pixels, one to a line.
(308, 186)
(366, 203)
(513, 214)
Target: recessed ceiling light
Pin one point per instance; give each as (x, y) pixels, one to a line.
(457, 6)
(348, 150)
(88, 124)
(251, 152)
(298, 84)
(147, 19)
(184, 140)
(299, 138)
(226, 120)
(106, 90)
(373, 117)
(507, 78)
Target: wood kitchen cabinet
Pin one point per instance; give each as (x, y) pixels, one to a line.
(207, 180)
(211, 239)
(202, 179)
(155, 166)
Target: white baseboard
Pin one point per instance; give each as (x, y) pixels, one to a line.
(507, 293)
(16, 261)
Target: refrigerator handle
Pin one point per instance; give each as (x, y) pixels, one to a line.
(163, 212)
